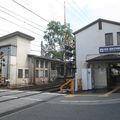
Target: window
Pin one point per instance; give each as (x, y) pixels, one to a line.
(46, 64)
(37, 73)
(20, 73)
(26, 73)
(108, 39)
(41, 73)
(42, 64)
(37, 63)
(46, 73)
(118, 38)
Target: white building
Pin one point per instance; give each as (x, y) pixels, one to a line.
(15, 48)
(20, 68)
(98, 54)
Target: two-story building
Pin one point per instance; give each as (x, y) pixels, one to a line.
(20, 68)
(98, 54)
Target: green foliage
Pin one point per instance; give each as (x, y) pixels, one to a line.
(56, 36)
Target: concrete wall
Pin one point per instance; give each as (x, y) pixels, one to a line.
(11, 41)
(88, 42)
(23, 49)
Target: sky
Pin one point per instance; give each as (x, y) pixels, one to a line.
(79, 13)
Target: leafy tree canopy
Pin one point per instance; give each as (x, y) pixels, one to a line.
(56, 36)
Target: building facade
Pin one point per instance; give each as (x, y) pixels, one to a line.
(20, 68)
(98, 54)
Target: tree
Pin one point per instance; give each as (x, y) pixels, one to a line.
(56, 36)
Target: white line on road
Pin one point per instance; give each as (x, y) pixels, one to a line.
(10, 96)
(33, 99)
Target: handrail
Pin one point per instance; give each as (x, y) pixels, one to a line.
(71, 89)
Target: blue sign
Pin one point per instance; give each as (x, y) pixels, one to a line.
(111, 49)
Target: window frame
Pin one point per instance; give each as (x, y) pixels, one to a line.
(20, 73)
(36, 73)
(108, 39)
(26, 74)
(118, 38)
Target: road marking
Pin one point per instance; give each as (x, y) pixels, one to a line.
(91, 101)
(10, 96)
(112, 91)
(33, 99)
(89, 95)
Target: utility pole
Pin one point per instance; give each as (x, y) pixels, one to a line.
(65, 41)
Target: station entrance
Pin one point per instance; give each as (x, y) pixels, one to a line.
(113, 75)
(106, 70)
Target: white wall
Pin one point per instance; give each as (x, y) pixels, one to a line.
(12, 69)
(11, 41)
(23, 49)
(89, 40)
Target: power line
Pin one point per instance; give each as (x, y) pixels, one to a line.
(22, 17)
(30, 11)
(77, 13)
(21, 20)
(20, 26)
(84, 13)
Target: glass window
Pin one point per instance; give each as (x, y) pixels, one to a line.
(37, 73)
(41, 73)
(46, 73)
(46, 64)
(118, 38)
(20, 73)
(108, 39)
(42, 64)
(26, 73)
(37, 63)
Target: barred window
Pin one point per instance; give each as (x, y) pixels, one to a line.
(108, 39)
(37, 63)
(46, 64)
(42, 63)
(37, 73)
(46, 73)
(41, 73)
(118, 38)
(26, 73)
(20, 73)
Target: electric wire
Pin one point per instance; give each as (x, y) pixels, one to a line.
(30, 11)
(22, 17)
(20, 26)
(20, 20)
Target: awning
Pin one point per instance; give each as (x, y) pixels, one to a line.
(105, 58)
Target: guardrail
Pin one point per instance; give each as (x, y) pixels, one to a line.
(68, 86)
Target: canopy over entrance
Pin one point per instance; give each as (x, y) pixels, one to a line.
(106, 58)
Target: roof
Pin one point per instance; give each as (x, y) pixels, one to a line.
(45, 58)
(105, 58)
(96, 21)
(17, 33)
(7, 45)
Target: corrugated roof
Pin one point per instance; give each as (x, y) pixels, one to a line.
(45, 58)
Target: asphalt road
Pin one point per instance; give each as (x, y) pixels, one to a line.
(61, 108)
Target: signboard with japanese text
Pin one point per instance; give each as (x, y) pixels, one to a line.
(111, 49)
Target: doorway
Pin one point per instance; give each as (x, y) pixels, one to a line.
(113, 75)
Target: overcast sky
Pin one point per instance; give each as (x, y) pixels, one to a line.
(79, 13)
